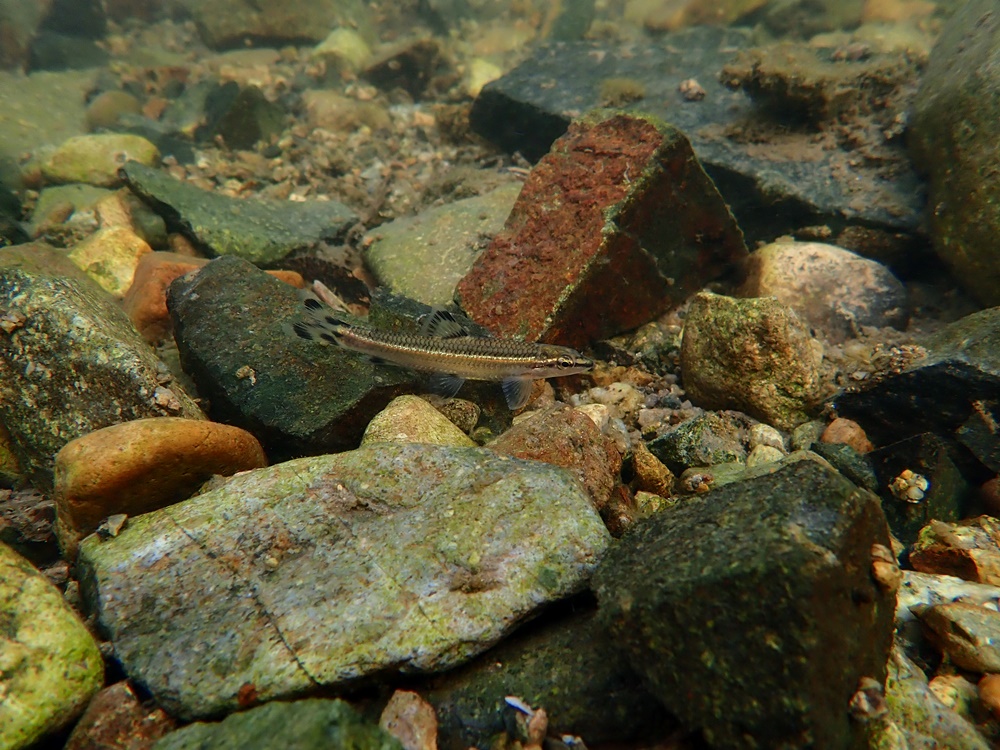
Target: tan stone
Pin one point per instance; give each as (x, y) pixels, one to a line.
(989, 693)
(139, 466)
(410, 419)
(96, 159)
(110, 257)
(411, 720)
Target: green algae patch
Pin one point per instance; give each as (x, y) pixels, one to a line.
(261, 231)
(321, 571)
(50, 665)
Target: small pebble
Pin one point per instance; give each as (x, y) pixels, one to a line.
(763, 455)
(764, 434)
(848, 432)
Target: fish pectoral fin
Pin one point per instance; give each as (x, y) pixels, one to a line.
(443, 325)
(445, 384)
(517, 391)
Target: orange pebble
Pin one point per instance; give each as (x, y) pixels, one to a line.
(849, 432)
(989, 693)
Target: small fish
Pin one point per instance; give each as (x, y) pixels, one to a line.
(445, 348)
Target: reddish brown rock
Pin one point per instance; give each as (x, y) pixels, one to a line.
(139, 466)
(146, 300)
(565, 437)
(614, 226)
(848, 432)
(969, 549)
(116, 720)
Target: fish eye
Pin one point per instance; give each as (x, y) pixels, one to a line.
(565, 362)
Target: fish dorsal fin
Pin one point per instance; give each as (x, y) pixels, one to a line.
(445, 384)
(443, 325)
(517, 391)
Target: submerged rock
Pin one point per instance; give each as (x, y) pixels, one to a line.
(754, 355)
(953, 133)
(261, 231)
(570, 667)
(70, 360)
(425, 256)
(142, 465)
(771, 171)
(939, 388)
(231, 322)
(95, 159)
(756, 626)
(411, 419)
(308, 724)
(322, 571)
(615, 225)
(50, 665)
(835, 290)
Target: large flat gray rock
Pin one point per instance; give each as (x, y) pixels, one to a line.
(324, 570)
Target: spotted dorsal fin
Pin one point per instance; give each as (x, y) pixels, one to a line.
(443, 325)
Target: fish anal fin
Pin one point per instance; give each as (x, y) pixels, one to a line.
(445, 384)
(443, 325)
(517, 391)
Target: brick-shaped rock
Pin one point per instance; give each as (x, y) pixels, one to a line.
(615, 225)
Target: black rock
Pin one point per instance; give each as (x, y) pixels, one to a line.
(941, 393)
(231, 322)
(51, 51)
(531, 106)
(240, 116)
(936, 459)
(570, 667)
(751, 610)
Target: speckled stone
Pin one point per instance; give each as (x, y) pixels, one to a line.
(754, 355)
(70, 360)
(110, 256)
(754, 627)
(322, 571)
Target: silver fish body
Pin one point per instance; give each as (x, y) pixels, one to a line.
(446, 349)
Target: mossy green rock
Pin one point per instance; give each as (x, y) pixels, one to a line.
(754, 355)
(311, 724)
(751, 611)
(322, 571)
(71, 361)
(95, 159)
(571, 667)
(50, 665)
(260, 231)
(953, 137)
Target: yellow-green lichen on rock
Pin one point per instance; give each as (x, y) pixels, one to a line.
(50, 665)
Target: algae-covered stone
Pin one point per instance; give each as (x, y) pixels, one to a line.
(616, 224)
(323, 571)
(918, 715)
(232, 325)
(261, 231)
(754, 355)
(425, 256)
(308, 724)
(95, 159)
(751, 610)
(953, 137)
(50, 665)
(410, 419)
(571, 667)
(70, 360)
